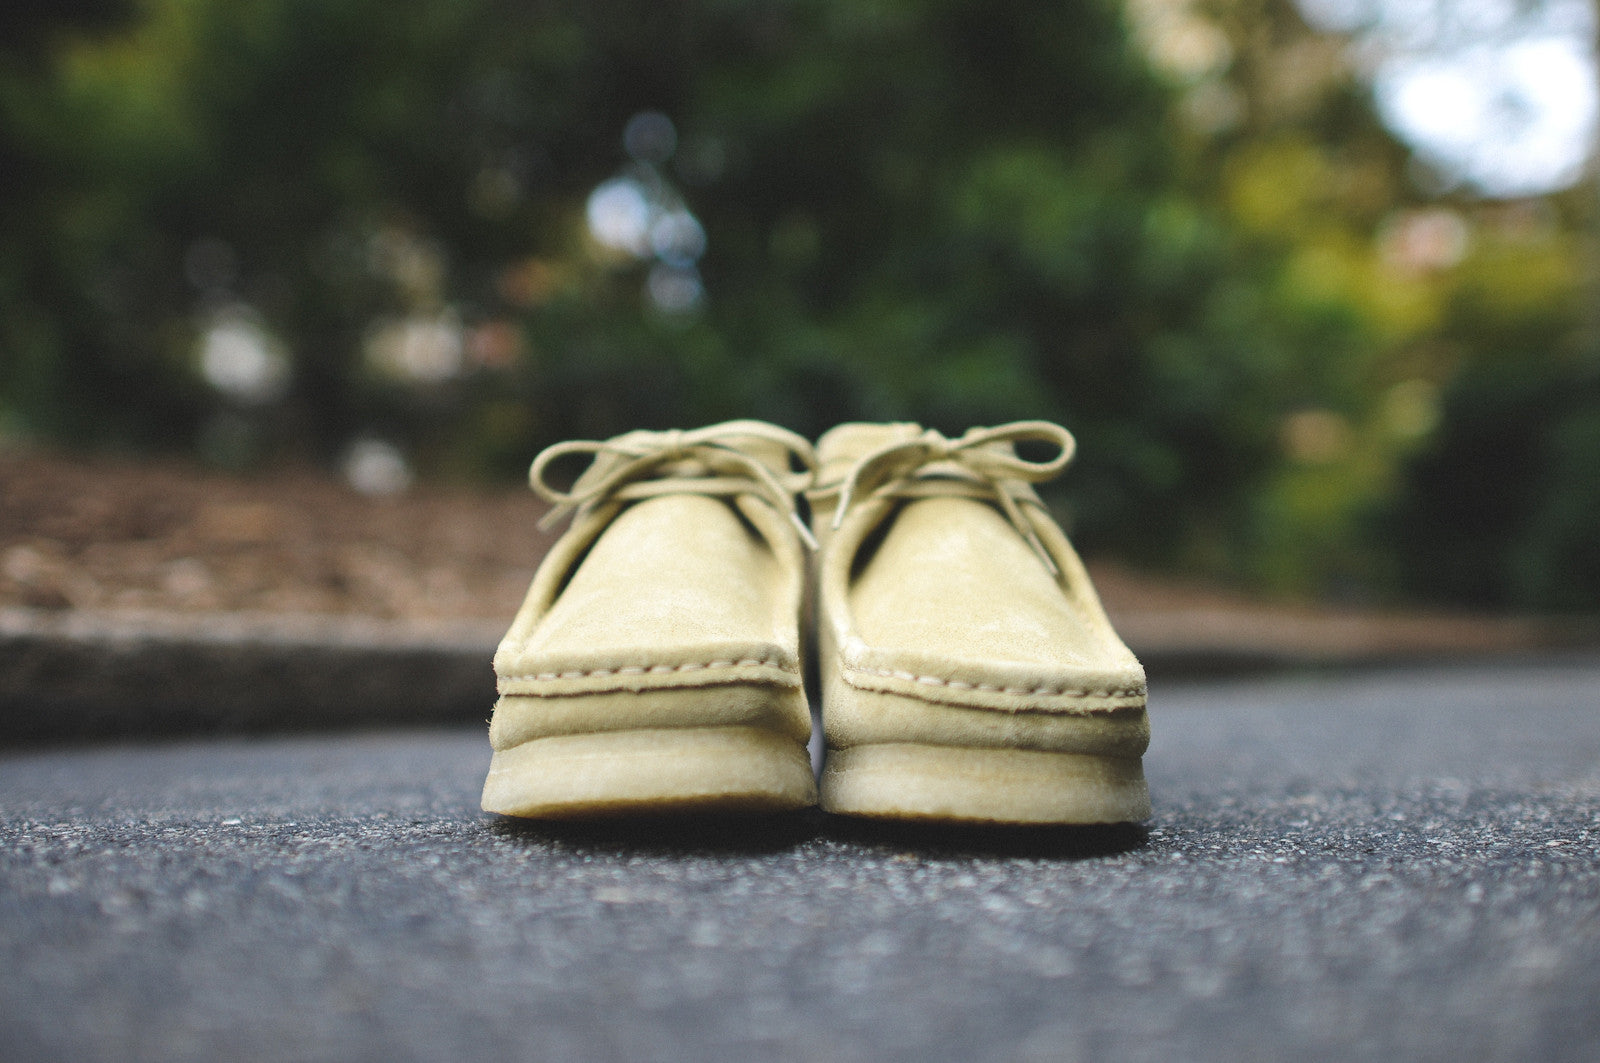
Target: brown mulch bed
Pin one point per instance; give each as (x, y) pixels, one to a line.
(98, 535)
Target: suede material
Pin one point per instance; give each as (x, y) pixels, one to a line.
(660, 571)
(770, 707)
(677, 591)
(939, 624)
(853, 716)
(668, 610)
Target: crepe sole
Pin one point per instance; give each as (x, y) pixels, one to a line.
(709, 769)
(912, 781)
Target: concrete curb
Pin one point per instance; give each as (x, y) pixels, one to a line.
(1246, 638)
(67, 676)
(81, 675)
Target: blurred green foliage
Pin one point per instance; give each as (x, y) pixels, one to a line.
(913, 209)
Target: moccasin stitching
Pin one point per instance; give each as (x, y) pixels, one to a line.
(642, 669)
(992, 688)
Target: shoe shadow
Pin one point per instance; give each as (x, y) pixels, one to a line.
(968, 841)
(736, 834)
(683, 834)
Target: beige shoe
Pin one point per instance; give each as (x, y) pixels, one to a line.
(968, 670)
(656, 663)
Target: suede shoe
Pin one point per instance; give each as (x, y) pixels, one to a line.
(656, 663)
(968, 671)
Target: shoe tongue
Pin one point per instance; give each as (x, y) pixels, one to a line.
(857, 438)
(773, 455)
(840, 448)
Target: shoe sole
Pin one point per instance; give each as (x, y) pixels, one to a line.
(1002, 786)
(707, 769)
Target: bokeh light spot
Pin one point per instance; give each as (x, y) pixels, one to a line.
(619, 216)
(242, 360)
(427, 349)
(375, 467)
(650, 137)
(1316, 437)
(675, 289)
(677, 238)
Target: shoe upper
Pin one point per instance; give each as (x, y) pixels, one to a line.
(944, 578)
(684, 566)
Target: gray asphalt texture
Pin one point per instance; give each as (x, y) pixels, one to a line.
(1397, 865)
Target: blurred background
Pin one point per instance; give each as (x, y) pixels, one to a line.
(1313, 281)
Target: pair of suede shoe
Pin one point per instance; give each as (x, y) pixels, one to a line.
(966, 669)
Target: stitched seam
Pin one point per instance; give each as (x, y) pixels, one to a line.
(991, 688)
(639, 669)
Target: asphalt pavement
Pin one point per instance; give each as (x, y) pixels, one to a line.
(1395, 864)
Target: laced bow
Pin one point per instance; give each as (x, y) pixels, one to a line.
(707, 461)
(931, 464)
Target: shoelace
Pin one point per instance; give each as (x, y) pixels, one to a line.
(970, 467)
(706, 461)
